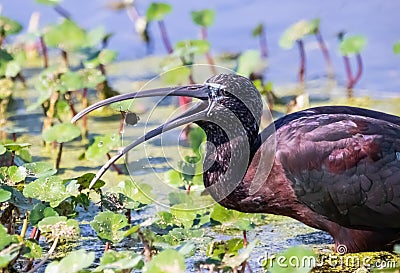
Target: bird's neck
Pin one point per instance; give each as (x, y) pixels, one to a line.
(228, 156)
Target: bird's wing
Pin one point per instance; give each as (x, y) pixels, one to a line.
(344, 166)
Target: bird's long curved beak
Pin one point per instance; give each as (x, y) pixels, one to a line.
(199, 91)
(196, 112)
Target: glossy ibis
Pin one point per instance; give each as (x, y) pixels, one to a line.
(334, 168)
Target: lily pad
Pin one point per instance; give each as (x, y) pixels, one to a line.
(74, 262)
(68, 36)
(237, 260)
(101, 146)
(49, 2)
(2, 149)
(233, 219)
(167, 261)
(40, 169)
(108, 226)
(35, 250)
(13, 174)
(4, 195)
(157, 11)
(218, 249)
(297, 32)
(204, 18)
(51, 189)
(71, 81)
(9, 26)
(177, 76)
(396, 48)
(39, 212)
(188, 47)
(352, 45)
(62, 132)
(119, 261)
(249, 62)
(59, 227)
(138, 194)
(5, 238)
(258, 30)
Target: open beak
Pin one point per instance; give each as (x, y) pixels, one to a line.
(198, 111)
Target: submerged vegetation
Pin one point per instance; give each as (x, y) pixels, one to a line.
(50, 221)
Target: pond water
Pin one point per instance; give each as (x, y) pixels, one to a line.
(235, 19)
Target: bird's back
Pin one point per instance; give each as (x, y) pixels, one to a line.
(344, 164)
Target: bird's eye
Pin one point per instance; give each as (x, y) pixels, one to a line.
(224, 92)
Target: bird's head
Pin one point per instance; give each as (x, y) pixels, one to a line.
(228, 100)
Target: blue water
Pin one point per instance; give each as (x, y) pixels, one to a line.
(377, 20)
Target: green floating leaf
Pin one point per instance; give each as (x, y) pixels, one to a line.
(84, 181)
(108, 226)
(35, 250)
(9, 254)
(189, 47)
(140, 194)
(49, 2)
(12, 69)
(68, 36)
(217, 250)
(258, 30)
(292, 261)
(39, 212)
(62, 132)
(74, 262)
(4, 195)
(197, 136)
(177, 76)
(5, 238)
(60, 227)
(51, 189)
(352, 45)
(96, 36)
(396, 48)
(13, 174)
(249, 62)
(71, 81)
(17, 146)
(204, 18)
(167, 261)
(2, 149)
(40, 169)
(297, 32)
(157, 11)
(101, 146)
(235, 261)
(233, 219)
(9, 26)
(184, 215)
(91, 77)
(119, 261)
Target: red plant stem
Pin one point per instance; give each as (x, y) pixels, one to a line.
(209, 58)
(64, 56)
(122, 123)
(302, 69)
(115, 167)
(107, 246)
(21, 78)
(58, 160)
(33, 233)
(349, 74)
(146, 246)
(68, 96)
(325, 53)
(14, 137)
(12, 163)
(188, 190)
(64, 13)
(44, 52)
(263, 44)
(102, 69)
(128, 216)
(359, 69)
(164, 36)
(245, 242)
